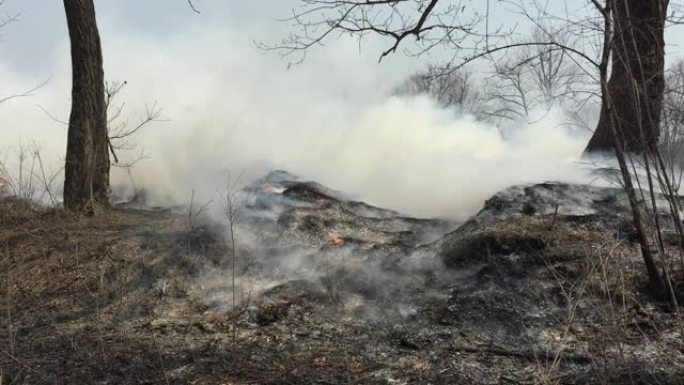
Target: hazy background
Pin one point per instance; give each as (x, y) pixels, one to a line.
(230, 106)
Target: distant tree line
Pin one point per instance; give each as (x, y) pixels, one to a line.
(518, 87)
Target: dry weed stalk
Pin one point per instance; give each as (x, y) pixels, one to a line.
(231, 209)
(193, 216)
(27, 178)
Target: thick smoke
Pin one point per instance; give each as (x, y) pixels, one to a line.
(231, 107)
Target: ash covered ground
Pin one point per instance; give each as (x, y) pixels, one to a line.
(543, 285)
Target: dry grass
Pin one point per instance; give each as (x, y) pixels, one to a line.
(109, 300)
(68, 275)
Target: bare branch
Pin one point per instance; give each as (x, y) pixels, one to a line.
(490, 51)
(52, 117)
(192, 6)
(24, 94)
(396, 20)
(7, 19)
(119, 130)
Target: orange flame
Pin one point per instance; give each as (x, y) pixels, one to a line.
(336, 240)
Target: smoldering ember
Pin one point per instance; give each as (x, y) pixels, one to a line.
(244, 201)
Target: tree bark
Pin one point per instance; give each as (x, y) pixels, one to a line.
(637, 79)
(87, 157)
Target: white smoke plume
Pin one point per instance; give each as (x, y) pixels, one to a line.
(232, 107)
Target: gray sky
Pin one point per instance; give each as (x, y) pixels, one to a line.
(31, 45)
(229, 105)
(42, 27)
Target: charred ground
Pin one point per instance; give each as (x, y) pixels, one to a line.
(544, 285)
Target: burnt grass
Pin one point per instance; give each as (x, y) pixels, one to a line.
(134, 297)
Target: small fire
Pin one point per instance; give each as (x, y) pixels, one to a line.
(336, 240)
(265, 190)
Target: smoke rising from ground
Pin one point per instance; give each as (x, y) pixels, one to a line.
(232, 107)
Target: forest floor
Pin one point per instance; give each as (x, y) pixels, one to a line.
(150, 297)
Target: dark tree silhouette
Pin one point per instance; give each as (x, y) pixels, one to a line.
(87, 165)
(637, 77)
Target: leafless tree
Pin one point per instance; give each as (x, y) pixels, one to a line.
(451, 89)
(87, 166)
(529, 79)
(86, 171)
(429, 23)
(469, 33)
(537, 78)
(672, 122)
(637, 73)
(628, 59)
(119, 129)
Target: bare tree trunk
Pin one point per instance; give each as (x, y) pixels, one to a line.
(637, 79)
(87, 158)
(610, 117)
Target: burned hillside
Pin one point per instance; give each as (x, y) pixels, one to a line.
(543, 285)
